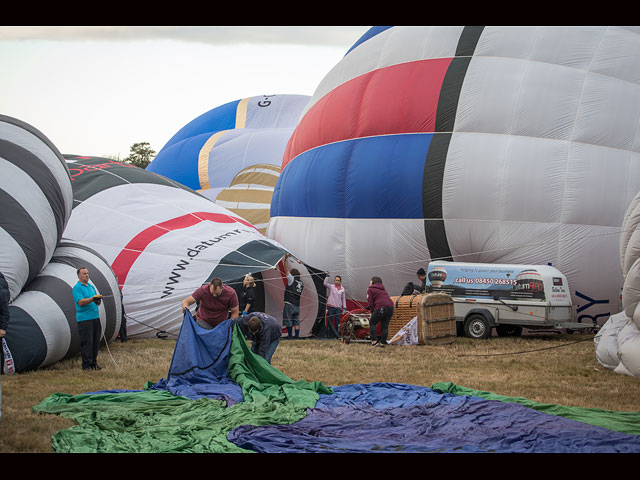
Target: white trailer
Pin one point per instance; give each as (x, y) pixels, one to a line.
(505, 297)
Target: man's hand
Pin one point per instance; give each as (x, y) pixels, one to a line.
(186, 302)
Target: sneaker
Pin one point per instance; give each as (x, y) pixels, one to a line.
(96, 367)
(375, 344)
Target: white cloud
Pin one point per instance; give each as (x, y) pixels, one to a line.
(217, 35)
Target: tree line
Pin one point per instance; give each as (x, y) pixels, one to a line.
(140, 155)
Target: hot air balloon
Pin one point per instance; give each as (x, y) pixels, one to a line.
(232, 154)
(43, 327)
(163, 241)
(510, 145)
(35, 196)
(618, 341)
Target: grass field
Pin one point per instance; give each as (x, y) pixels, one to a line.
(548, 368)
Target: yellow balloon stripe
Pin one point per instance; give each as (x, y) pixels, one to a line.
(241, 113)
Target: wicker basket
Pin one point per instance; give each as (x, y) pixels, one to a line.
(405, 308)
(437, 319)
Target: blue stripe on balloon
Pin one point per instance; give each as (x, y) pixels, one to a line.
(178, 159)
(372, 32)
(215, 120)
(179, 162)
(372, 177)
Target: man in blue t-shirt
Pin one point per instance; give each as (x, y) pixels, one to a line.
(86, 299)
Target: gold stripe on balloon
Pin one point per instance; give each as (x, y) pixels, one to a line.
(241, 113)
(250, 193)
(203, 159)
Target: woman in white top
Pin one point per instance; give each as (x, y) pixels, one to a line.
(336, 301)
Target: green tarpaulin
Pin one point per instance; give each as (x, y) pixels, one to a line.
(157, 421)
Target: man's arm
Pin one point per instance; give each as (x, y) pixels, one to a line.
(234, 305)
(285, 262)
(187, 301)
(85, 301)
(77, 297)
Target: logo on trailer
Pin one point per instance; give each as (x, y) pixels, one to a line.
(437, 276)
(529, 281)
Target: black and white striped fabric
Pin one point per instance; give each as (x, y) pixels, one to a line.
(43, 328)
(35, 200)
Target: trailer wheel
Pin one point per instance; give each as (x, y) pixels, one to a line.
(477, 327)
(509, 330)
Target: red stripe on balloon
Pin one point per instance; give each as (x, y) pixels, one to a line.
(136, 246)
(391, 100)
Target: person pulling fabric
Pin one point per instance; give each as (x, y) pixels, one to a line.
(263, 330)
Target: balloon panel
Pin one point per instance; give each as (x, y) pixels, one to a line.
(163, 241)
(211, 151)
(43, 327)
(525, 150)
(35, 195)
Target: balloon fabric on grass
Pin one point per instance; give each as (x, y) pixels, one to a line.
(229, 400)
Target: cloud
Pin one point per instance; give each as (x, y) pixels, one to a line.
(215, 35)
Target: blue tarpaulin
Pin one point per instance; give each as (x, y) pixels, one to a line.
(199, 367)
(388, 417)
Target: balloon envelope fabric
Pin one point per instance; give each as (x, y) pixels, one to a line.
(496, 144)
(410, 419)
(226, 399)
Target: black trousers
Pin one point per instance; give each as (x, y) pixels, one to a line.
(90, 332)
(383, 316)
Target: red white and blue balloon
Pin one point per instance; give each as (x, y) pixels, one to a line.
(476, 144)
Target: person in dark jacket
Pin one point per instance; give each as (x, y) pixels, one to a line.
(4, 305)
(263, 330)
(381, 307)
(292, 293)
(247, 297)
(414, 288)
(4, 323)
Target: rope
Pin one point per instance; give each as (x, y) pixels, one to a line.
(525, 351)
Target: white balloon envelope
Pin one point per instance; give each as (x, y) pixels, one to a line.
(510, 145)
(163, 241)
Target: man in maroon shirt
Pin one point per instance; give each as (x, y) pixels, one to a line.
(217, 302)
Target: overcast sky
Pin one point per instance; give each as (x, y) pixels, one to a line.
(97, 90)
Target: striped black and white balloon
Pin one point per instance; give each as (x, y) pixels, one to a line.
(35, 201)
(43, 328)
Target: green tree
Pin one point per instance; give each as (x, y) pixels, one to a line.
(140, 154)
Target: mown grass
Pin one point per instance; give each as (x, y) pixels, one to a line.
(548, 368)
